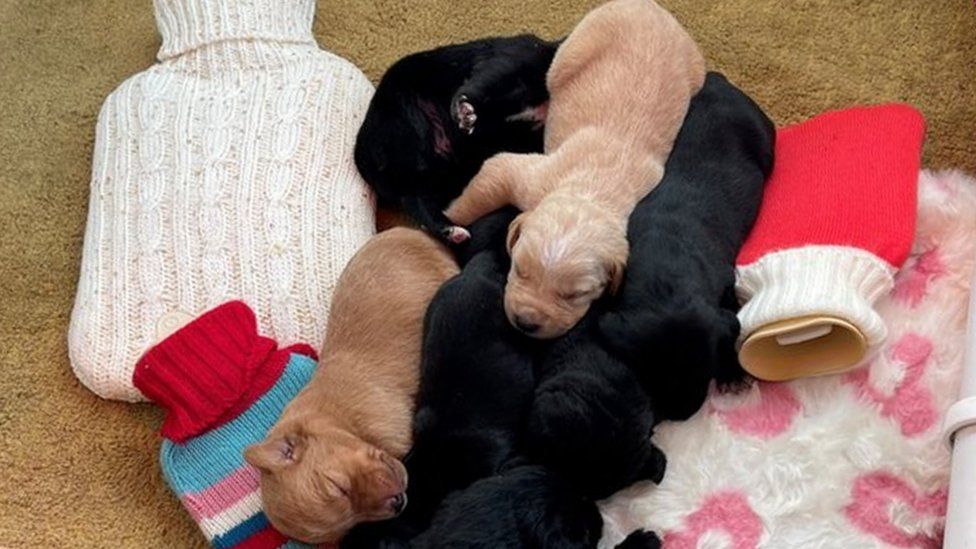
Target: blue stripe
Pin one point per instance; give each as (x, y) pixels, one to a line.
(206, 459)
(240, 532)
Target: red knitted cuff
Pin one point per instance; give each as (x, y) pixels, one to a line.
(206, 368)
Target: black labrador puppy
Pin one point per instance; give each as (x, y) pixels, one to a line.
(437, 115)
(526, 507)
(673, 320)
(590, 420)
(476, 386)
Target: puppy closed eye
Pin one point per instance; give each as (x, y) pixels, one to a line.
(342, 489)
(576, 295)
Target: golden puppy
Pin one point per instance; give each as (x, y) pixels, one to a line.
(619, 88)
(332, 460)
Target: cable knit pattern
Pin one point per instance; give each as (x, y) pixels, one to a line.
(816, 280)
(222, 172)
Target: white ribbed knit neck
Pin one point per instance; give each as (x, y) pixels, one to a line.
(186, 25)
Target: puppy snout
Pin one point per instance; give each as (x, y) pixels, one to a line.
(398, 503)
(397, 473)
(526, 325)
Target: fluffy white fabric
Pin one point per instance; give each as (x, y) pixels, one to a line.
(223, 172)
(850, 461)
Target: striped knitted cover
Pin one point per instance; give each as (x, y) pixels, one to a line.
(223, 387)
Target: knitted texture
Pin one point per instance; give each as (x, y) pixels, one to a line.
(223, 387)
(224, 171)
(837, 219)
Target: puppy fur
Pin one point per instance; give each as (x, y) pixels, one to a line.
(619, 88)
(591, 421)
(673, 320)
(419, 145)
(476, 387)
(332, 460)
(524, 507)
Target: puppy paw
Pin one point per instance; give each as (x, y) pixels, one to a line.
(464, 114)
(640, 539)
(729, 375)
(733, 385)
(655, 466)
(456, 235)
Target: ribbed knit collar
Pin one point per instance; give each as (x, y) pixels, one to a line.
(186, 25)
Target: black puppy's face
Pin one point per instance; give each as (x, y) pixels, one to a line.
(692, 349)
(676, 352)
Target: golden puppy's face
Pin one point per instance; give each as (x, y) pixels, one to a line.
(317, 483)
(565, 254)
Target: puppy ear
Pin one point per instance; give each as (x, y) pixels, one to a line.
(514, 232)
(274, 454)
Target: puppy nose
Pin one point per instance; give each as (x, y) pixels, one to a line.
(522, 324)
(399, 503)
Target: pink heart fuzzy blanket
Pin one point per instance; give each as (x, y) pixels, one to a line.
(848, 461)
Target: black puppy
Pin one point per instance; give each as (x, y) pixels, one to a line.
(437, 115)
(587, 436)
(591, 421)
(476, 386)
(673, 320)
(525, 507)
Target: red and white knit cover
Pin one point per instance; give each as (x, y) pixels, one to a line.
(837, 219)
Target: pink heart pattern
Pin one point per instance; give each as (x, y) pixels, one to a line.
(724, 514)
(766, 413)
(912, 284)
(908, 402)
(891, 510)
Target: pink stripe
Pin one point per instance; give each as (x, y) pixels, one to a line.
(211, 501)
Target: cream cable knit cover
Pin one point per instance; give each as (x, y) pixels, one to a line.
(224, 171)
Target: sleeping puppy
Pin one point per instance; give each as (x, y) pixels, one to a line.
(419, 145)
(475, 389)
(332, 460)
(673, 320)
(619, 88)
(591, 421)
(524, 507)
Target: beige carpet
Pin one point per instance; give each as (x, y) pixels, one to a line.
(76, 471)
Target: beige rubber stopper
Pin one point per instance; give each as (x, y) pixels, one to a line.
(802, 347)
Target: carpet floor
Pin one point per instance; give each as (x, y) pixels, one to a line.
(77, 471)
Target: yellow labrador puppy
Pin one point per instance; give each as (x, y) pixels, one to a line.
(619, 88)
(333, 459)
